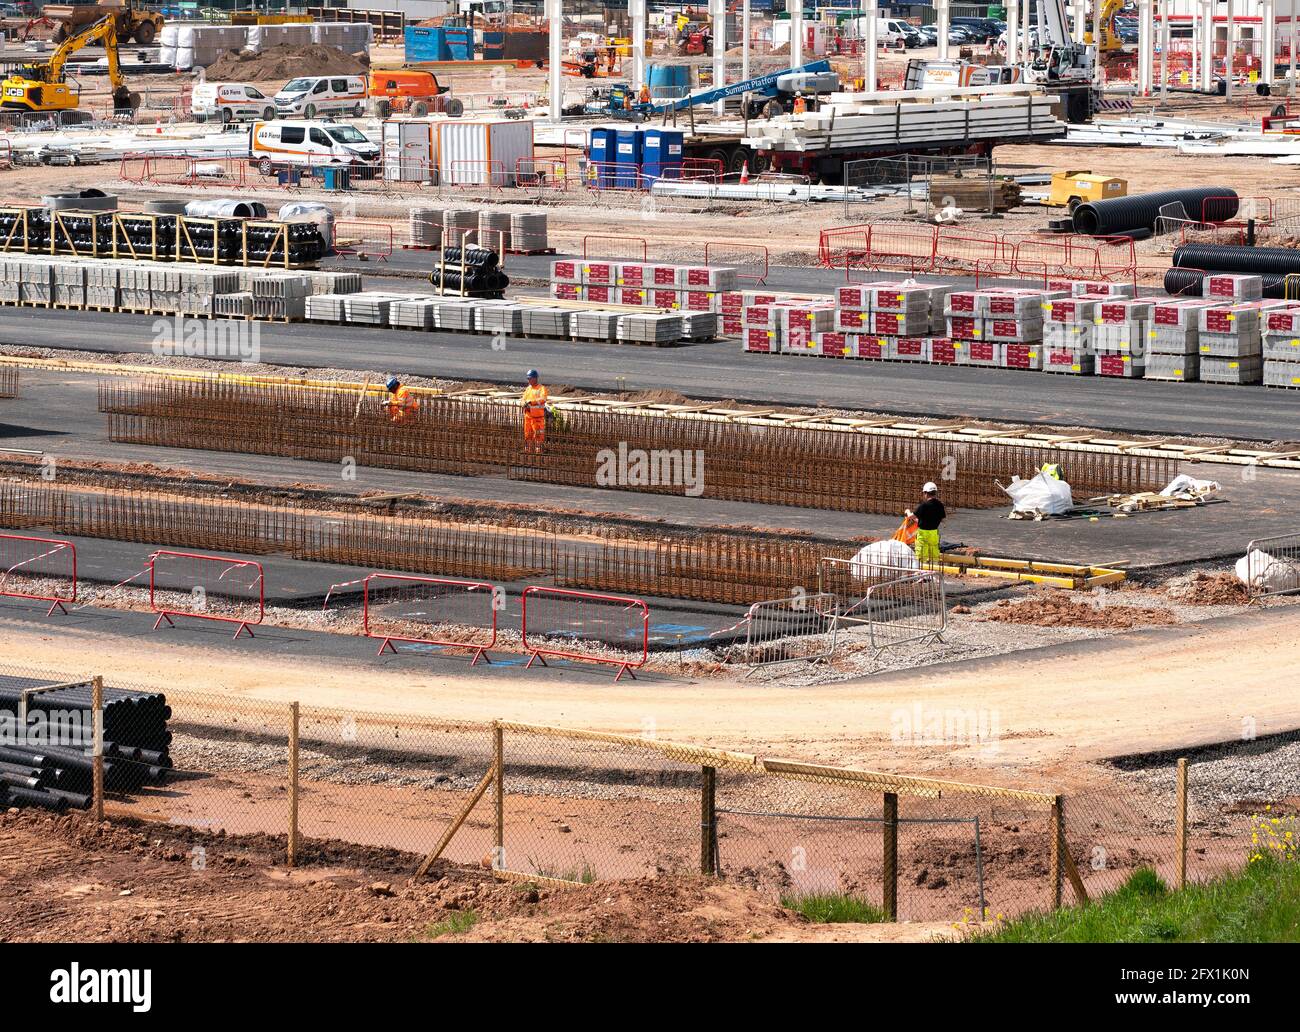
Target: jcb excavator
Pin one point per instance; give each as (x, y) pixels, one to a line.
(45, 88)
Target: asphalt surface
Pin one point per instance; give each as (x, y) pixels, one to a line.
(56, 415)
(720, 370)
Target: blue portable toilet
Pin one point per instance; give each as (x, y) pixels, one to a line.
(600, 153)
(628, 150)
(661, 153)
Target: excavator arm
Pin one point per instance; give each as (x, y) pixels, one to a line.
(105, 29)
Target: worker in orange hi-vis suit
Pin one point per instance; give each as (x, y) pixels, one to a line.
(534, 404)
(402, 404)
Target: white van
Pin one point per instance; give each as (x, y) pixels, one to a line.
(230, 102)
(313, 95)
(294, 144)
(889, 32)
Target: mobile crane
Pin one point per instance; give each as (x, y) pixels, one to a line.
(44, 87)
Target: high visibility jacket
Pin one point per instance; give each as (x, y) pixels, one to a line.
(402, 404)
(534, 402)
(1052, 470)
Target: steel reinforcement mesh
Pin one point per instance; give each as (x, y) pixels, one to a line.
(8, 381)
(794, 466)
(713, 566)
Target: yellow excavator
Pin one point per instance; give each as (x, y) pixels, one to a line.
(45, 88)
(1110, 39)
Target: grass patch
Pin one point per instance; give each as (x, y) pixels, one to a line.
(458, 923)
(583, 876)
(833, 908)
(1261, 904)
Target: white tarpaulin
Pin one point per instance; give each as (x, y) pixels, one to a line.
(1262, 571)
(882, 557)
(1040, 494)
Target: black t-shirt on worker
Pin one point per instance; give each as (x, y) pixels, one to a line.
(929, 514)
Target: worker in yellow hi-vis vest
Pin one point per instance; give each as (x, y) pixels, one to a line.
(929, 514)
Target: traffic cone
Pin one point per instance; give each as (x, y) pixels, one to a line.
(744, 174)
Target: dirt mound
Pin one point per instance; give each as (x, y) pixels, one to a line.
(1054, 611)
(1208, 589)
(285, 62)
(669, 908)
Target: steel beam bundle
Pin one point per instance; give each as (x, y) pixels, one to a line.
(790, 465)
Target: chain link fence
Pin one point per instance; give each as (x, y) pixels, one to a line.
(392, 792)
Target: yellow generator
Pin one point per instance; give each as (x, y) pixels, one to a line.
(1070, 189)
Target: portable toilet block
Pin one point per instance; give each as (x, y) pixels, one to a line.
(661, 154)
(628, 145)
(600, 153)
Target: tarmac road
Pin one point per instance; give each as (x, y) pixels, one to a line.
(719, 370)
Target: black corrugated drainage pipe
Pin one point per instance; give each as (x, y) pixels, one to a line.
(1190, 283)
(1124, 214)
(1279, 261)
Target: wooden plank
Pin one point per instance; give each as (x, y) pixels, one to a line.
(454, 827)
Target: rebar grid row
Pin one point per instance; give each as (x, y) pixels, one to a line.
(713, 566)
(8, 381)
(795, 466)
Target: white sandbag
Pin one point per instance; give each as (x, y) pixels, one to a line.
(1189, 487)
(1263, 571)
(881, 558)
(1040, 494)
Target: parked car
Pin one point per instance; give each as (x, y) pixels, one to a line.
(312, 95)
(284, 144)
(981, 30)
(929, 34)
(230, 102)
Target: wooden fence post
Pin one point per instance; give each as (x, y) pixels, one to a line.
(97, 768)
(1058, 848)
(1180, 825)
(499, 797)
(708, 816)
(889, 863)
(293, 784)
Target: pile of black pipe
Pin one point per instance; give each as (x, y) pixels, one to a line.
(1129, 216)
(1193, 262)
(481, 276)
(58, 775)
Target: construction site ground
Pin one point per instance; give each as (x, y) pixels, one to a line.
(1157, 666)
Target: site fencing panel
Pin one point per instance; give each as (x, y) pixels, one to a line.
(800, 628)
(206, 587)
(586, 626)
(39, 569)
(430, 611)
(1273, 566)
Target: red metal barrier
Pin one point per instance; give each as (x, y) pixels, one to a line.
(40, 569)
(578, 611)
(586, 245)
(363, 239)
(384, 592)
(221, 589)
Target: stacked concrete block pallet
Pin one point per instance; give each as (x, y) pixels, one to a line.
(788, 328)
(68, 286)
(1280, 347)
(281, 296)
(663, 285)
(1173, 339)
(102, 285)
(35, 283)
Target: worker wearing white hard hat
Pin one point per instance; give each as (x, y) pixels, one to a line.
(929, 514)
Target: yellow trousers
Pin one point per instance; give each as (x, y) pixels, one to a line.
(927, 545)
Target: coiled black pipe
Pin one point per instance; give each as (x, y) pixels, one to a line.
(1276, 260)
(1122, 215)
(1191, 283)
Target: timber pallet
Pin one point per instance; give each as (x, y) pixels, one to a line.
(34, 304)
(101, 308)
(538, 250)
(67, 307)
